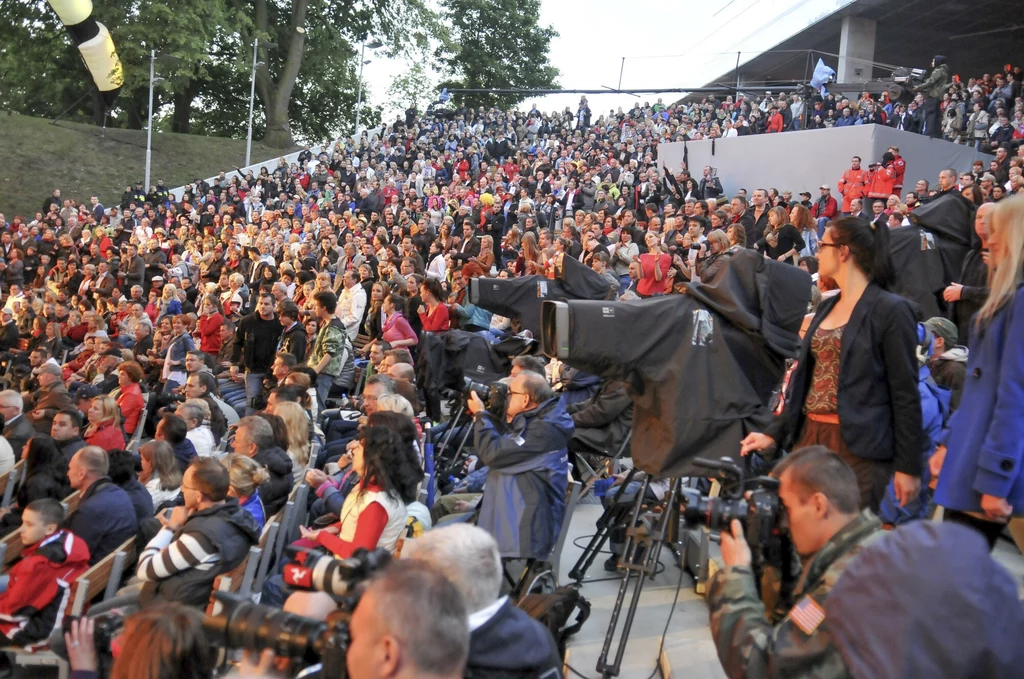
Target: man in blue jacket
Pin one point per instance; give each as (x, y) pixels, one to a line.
(528, 459)
(105, 517)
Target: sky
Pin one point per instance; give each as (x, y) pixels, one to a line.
(685, 43)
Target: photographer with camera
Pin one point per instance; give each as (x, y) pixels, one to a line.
(821, 498)
(529, 467)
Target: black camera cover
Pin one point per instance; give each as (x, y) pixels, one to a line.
(522, 297)
(702, 366)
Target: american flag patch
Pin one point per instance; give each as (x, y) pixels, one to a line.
(807, 615)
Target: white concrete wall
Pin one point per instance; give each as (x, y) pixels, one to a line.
(803, 161)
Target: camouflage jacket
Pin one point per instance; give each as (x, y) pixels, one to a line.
(750, 645)
(331, 339)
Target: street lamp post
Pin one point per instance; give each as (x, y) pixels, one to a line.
(362, 62)
(252, 95)
(153, 80)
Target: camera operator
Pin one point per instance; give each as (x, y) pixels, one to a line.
(528, 466)
(821, 499)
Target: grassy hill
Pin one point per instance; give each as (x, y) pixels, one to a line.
(82, 160)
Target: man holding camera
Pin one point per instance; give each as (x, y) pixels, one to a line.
(529, 467)
(820, 495)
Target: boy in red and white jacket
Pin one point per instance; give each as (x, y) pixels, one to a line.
(37, 593)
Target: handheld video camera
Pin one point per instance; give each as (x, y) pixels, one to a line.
(758, 513)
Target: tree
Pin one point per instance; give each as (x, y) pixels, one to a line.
(414, 86)
(338, 26)
(495, 44)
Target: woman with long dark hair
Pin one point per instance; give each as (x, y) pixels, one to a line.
(45, 476)
(855, 388)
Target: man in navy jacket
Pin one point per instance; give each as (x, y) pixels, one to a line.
(105, 517)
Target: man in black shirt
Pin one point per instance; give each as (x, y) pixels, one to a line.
(256, 346)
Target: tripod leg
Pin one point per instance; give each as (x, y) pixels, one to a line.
(611, 516)
(451, 429)
(653, 541)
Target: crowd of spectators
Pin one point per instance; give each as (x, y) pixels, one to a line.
(209, 331)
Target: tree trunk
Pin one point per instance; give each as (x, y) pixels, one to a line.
(277, 95)
(181, 119)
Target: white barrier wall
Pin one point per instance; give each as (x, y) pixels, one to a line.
(803, 161)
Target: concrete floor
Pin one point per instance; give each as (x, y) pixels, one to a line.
(688, 646)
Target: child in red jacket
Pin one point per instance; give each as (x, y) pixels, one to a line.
(37, 590)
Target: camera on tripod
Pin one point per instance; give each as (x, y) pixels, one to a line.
(754, 502)
(241, 624)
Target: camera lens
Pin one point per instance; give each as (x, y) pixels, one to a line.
(243, 624)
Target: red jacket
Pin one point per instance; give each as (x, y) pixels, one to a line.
(131, 403)
(774, 122)
(209, 333)
(107, 436)
(35, 600)
(899, 166)
(880, 182)
(853, 184)
(831, 210)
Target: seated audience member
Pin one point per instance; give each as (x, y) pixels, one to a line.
(17, 428)
(160, 472)
(603, 421)
(204, 385)
(374, 513)
(122, 473)
(173, 429)
(50, 398)
(528, 467)
(44, 477)
(296, 424)
(255, 438)
(129, 400)
(104, 430)
(432, 642)
(246, 477)
(34, 601)
(66, 430)
(196, 413)
(504, 640)
(7, 460)
(105, 517)
(209, 535)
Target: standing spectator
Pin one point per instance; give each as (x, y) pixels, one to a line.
(256, 346)
(211, 320)
(105, 517)
(352, 303)
(129, 400)
(832, 386)
(979, 460)
(331, 349)
(853, 185)
(933, 88)
(970, 291)
(654, 266)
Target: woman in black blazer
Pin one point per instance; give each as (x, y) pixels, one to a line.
(855, 388)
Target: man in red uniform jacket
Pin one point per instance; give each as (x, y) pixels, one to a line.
(853, 184)
(899, 166)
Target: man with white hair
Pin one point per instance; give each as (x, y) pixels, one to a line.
(196, 413)
(504, 640)
(17, 428)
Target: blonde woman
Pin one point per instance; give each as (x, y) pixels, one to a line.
(160, 472)
(104, 428)
(297, 424)
(979, 485)
(245, 477)
(169, 304)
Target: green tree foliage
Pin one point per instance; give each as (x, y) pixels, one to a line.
(414, 86)
(495, 44)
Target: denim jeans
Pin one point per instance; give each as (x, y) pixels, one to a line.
(253, 388)
(323, 388)
(822, 221)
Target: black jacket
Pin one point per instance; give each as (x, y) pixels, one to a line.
(879, 402)
(256, 343)
(274, 492)
(604, 420)
(294, 341)
(42, 486)
(18, 433)
(9, 336)
(229, 529)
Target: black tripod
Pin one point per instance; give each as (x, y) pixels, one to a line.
(649, 534)
(613, 516)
